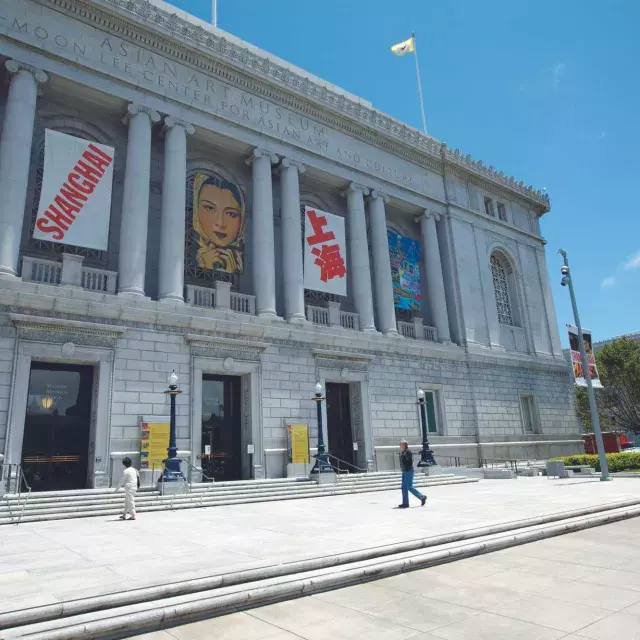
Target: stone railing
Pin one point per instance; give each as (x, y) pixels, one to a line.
(69, 272)
(349, 320)
(332, 316)
(318, 315)
(220, 297)
(417, 330)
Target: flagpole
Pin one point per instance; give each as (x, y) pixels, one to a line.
(415, 53)
(214, 12)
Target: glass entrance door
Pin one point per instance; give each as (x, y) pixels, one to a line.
(339, 422)
(56, 432)
(221, 454)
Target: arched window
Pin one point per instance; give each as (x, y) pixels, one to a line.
(501, 272)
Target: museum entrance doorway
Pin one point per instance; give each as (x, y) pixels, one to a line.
(55, 447)
(221, 455)
(339, 428)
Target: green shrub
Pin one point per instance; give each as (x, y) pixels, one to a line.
(616, 461)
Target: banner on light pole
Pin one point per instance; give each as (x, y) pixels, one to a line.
(576, 359)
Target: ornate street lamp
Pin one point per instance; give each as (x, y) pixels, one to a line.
(172, 471)
(322, 462)
(426, 455)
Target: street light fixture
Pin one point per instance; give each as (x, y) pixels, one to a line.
(595, 420)
(426, 455)
(172, 472)
(322, 461)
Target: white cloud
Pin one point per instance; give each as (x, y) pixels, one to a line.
(607, 283)
(557, 70)
(633, 261)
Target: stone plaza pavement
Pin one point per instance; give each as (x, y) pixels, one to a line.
(43, 563)
(581, 585)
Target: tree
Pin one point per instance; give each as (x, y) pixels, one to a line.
(619, 400)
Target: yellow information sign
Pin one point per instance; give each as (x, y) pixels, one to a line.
(154, 442)
(298, 442)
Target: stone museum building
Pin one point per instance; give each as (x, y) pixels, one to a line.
(175, 199)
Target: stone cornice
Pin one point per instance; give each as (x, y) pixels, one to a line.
(156, 29)
(59, 324)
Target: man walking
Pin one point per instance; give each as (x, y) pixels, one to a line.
(406, 464)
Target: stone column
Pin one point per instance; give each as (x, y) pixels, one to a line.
(435, 279)
(382, 264)
(359, 255)
(15, 158)
(132, 256)
(172, 226)
(292, 265)
(264, 267)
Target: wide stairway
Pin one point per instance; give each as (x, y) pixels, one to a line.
(59, 505)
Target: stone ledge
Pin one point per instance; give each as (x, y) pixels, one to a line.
(60, 324)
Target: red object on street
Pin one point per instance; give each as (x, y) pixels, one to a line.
(612, 442)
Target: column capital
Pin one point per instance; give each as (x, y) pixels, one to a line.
(426, 215)
(355, 186)
(375, 194)
(171, 121)
(286, 163)
(15, 66)
(259, 152)
(133, 109)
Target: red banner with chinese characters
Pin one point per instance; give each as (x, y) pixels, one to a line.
(325, 252)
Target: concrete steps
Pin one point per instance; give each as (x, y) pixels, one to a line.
(105, 502)
(123, 614)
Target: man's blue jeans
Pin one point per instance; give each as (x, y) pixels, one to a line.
(407, 486)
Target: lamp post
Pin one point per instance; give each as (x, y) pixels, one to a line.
(322, 462)
(172, 471)
(426, 455)
(595, 420)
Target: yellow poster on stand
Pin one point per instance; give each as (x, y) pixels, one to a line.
(298, 443)
(154, 442)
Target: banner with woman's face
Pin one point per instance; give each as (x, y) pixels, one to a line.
(219, 223)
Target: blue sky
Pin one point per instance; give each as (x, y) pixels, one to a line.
(545, 90)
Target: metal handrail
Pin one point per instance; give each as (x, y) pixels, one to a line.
(19, 479)
(348, 464)
(359, 470)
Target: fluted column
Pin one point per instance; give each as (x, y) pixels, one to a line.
(172, 226)
(292, 266)
(435, 279)
(132, 257)
(15, 157)
(359, 255)
(264, 268)
(382, 280)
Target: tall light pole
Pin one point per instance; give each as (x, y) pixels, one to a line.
(172, 471)
(426, 455)
(322, 462)
(595, 420)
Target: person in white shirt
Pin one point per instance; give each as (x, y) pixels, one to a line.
(129, 481)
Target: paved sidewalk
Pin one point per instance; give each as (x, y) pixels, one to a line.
(578, 586)
(42, 563)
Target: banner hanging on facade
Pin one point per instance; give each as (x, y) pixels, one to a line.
(405, 271)
(325, 252)
(154, 443)
(219, 223)
(576, 359)
(75, 199)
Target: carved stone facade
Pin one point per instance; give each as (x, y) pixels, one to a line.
(202, 102)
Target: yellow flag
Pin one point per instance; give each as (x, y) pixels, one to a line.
(402, 48)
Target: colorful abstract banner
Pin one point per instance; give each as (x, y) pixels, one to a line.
(219, 223)
(405, 271)
(75, 199)
(576, 359)
(325, 252)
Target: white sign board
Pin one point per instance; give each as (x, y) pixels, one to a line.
(75, 200)
(325, 252)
